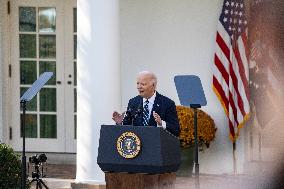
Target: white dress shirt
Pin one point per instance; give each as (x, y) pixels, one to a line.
(150, 107)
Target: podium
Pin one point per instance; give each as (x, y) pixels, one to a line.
(138, 156)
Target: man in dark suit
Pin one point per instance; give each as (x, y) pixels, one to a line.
(149, 107)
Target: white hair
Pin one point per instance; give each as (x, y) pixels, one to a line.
(151, 75)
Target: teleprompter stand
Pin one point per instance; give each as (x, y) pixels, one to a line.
(190, 93)
(27, 96)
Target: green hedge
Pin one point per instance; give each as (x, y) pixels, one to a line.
(10, 168)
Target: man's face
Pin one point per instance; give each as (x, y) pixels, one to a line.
(145, 86)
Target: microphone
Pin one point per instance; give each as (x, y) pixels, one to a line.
(128, 115)
(131, 114)
(138, 112)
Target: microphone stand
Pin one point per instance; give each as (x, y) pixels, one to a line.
(133, 115)
(128, 113)
(137, 113)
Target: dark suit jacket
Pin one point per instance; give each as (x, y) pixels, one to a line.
(163, 106)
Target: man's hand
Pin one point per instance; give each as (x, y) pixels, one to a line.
(157, 118)
(117, 117)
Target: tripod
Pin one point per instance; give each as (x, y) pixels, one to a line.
(35, 176)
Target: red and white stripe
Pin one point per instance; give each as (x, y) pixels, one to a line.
(230, 78)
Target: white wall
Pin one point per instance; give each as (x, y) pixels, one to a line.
(4, 77)
(3, 17)
(1, 74)
(170, 38)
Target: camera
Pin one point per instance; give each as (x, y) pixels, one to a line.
(37, 159)
(38, 162)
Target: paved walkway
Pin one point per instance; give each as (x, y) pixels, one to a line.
(61, 171)
(60, 177)
(56, 176)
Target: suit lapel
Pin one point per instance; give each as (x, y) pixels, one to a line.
(156, 108)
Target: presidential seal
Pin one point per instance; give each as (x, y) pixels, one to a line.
(128, 145)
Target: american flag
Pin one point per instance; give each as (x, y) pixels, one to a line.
(231, 70)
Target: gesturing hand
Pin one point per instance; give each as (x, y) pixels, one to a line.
(157, 118)
(117, 117)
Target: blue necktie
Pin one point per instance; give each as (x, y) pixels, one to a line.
(145, 113)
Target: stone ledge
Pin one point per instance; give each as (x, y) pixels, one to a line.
(87, 186)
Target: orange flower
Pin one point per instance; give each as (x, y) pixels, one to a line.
(205, 127)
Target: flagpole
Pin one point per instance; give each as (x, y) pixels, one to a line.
(234, 157)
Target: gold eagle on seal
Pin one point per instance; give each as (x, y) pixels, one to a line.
(128, 145)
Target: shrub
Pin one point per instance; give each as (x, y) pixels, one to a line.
(10, 168)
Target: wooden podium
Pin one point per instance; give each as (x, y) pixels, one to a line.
(138, 157)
